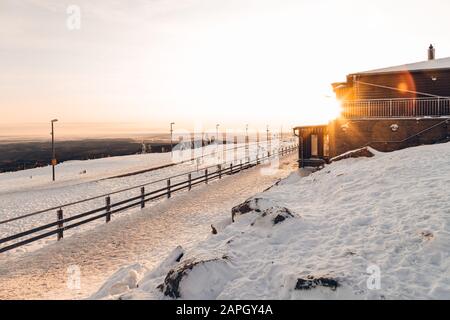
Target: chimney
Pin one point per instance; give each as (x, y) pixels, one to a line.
(431, 52)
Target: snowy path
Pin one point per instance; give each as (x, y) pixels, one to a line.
(18, 197)
(145, 236)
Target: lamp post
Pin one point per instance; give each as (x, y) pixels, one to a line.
(171, 138)
(53, 148)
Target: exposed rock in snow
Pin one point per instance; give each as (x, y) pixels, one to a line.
(312, 282)
(245, 207)
(267, 211)
(366, 152)
(370, 228)
(197, 279)
(272, 216)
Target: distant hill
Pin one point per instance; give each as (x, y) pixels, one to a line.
(24, 155)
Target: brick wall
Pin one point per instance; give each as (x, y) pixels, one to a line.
(346, 135)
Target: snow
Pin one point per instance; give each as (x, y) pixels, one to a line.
(71, 171)
(144, 236)
(379, 227)
(31, 190)
(443, 63)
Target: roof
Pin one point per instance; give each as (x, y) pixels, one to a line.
(436, 64)
(319, 126)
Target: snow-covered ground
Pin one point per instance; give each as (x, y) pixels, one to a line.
(31, 190)
(146, 236)
(365, 228)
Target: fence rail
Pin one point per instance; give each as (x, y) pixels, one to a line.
(396, 108)
(62, 224)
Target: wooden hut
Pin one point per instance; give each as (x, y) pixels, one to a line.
(388, 109)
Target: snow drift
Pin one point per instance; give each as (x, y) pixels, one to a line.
(361, 228)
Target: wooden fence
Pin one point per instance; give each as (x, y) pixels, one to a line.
(61, 224)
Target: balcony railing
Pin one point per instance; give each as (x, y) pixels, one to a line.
(396, 108)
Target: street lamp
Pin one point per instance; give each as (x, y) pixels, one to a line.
(53, 148)
(171, 137)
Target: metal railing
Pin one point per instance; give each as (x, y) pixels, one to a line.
(141, 197)
(396, 108)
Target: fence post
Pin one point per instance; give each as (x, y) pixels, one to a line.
(219, 167)
(142, 197)
(206, 176)
(189, 181)
(231, 168)
(240, 165)
(108, 209)
(192, 147)
(59, 215)
(168, 189)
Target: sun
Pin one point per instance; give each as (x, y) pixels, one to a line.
(328, 109)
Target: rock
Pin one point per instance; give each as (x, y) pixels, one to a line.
(213, 230)
(282, 214)
(272, 216)
(427, 235)
(267, 209)
(360, 153)
(312, 282)
(246, 207)
(270, 213)
(214, 272)
(171, 285)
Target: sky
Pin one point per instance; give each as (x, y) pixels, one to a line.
(200, 62)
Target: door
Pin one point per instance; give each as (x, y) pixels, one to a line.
(314, 145)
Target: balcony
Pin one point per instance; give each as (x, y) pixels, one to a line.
(396, 108)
